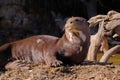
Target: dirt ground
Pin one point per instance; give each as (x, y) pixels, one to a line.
(76, 72)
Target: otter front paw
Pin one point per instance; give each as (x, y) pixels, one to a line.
(55, 63)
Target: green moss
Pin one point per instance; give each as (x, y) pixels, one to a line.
(115, 58)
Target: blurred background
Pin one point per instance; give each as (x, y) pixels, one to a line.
(24, 18)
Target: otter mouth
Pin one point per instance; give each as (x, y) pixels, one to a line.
(78, 33)
(75, 31)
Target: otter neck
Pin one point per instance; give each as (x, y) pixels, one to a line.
(72, 37)
(75, 36)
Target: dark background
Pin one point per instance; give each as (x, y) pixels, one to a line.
(24, 18)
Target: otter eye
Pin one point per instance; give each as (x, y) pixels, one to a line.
(76, 20)
(71, 22)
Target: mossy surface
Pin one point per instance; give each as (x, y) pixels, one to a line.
(115, 58)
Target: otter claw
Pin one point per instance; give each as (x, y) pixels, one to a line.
(56, 63)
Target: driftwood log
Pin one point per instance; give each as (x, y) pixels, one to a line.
(95, 43)
(71, 48)
(108, 53)
(111, 26)
(99, 39)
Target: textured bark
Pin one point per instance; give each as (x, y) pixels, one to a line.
(96, 20)
(96, 41)
(114, 26)
(109, 53)
(104, 44)
(111, 25)
(93, 48)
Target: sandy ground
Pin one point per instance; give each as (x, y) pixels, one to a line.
(76, 72)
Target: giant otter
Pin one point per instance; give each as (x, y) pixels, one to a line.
(71, 48)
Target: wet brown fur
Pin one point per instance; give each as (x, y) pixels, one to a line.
(49, 50)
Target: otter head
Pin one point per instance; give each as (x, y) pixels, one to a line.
(75, 24)
(77, 27)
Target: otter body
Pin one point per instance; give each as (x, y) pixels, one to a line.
(71, 48)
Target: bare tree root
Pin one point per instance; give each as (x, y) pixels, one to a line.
(108, 24)
(96, 41)
(93, 48)
(109, 53)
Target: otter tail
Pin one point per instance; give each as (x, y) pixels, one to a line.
(5, 54)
